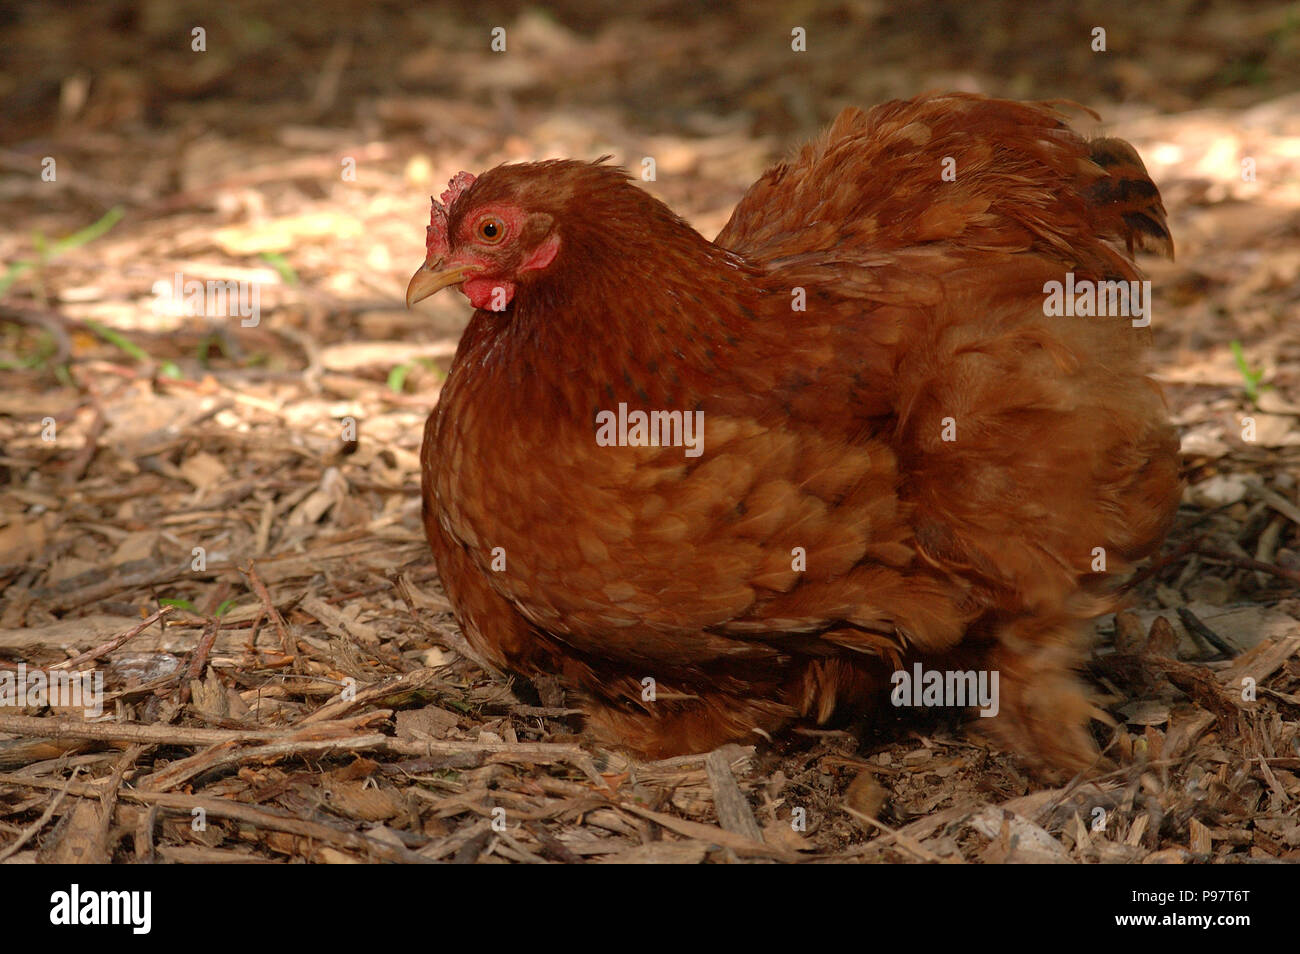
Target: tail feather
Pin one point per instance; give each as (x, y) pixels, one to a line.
(1126, 200)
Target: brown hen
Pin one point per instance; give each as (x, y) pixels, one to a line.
(904, 454)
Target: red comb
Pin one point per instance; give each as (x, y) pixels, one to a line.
(437, 242)
(459, 183)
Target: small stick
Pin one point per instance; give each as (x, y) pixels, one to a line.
(910, 845)
(49, 728)
(1178, 553)
(287, 643)
(78, 466)
(144, 826)
(1191, 621)
(221, 756)
(109, 799)
(200, 657)
(553, 846)
(26, 834)
(1246, 563)
(114, 643)
(407, 682)
(734, 813)
(742, 846)
(419, 576)
(1275, 500)
(254, 815)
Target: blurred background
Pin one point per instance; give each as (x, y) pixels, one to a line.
(233, 154)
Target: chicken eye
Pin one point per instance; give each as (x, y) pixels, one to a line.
(491, 230)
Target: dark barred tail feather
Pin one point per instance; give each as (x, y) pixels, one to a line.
(1127, 199)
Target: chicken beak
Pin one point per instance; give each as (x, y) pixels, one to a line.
(429, 279)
